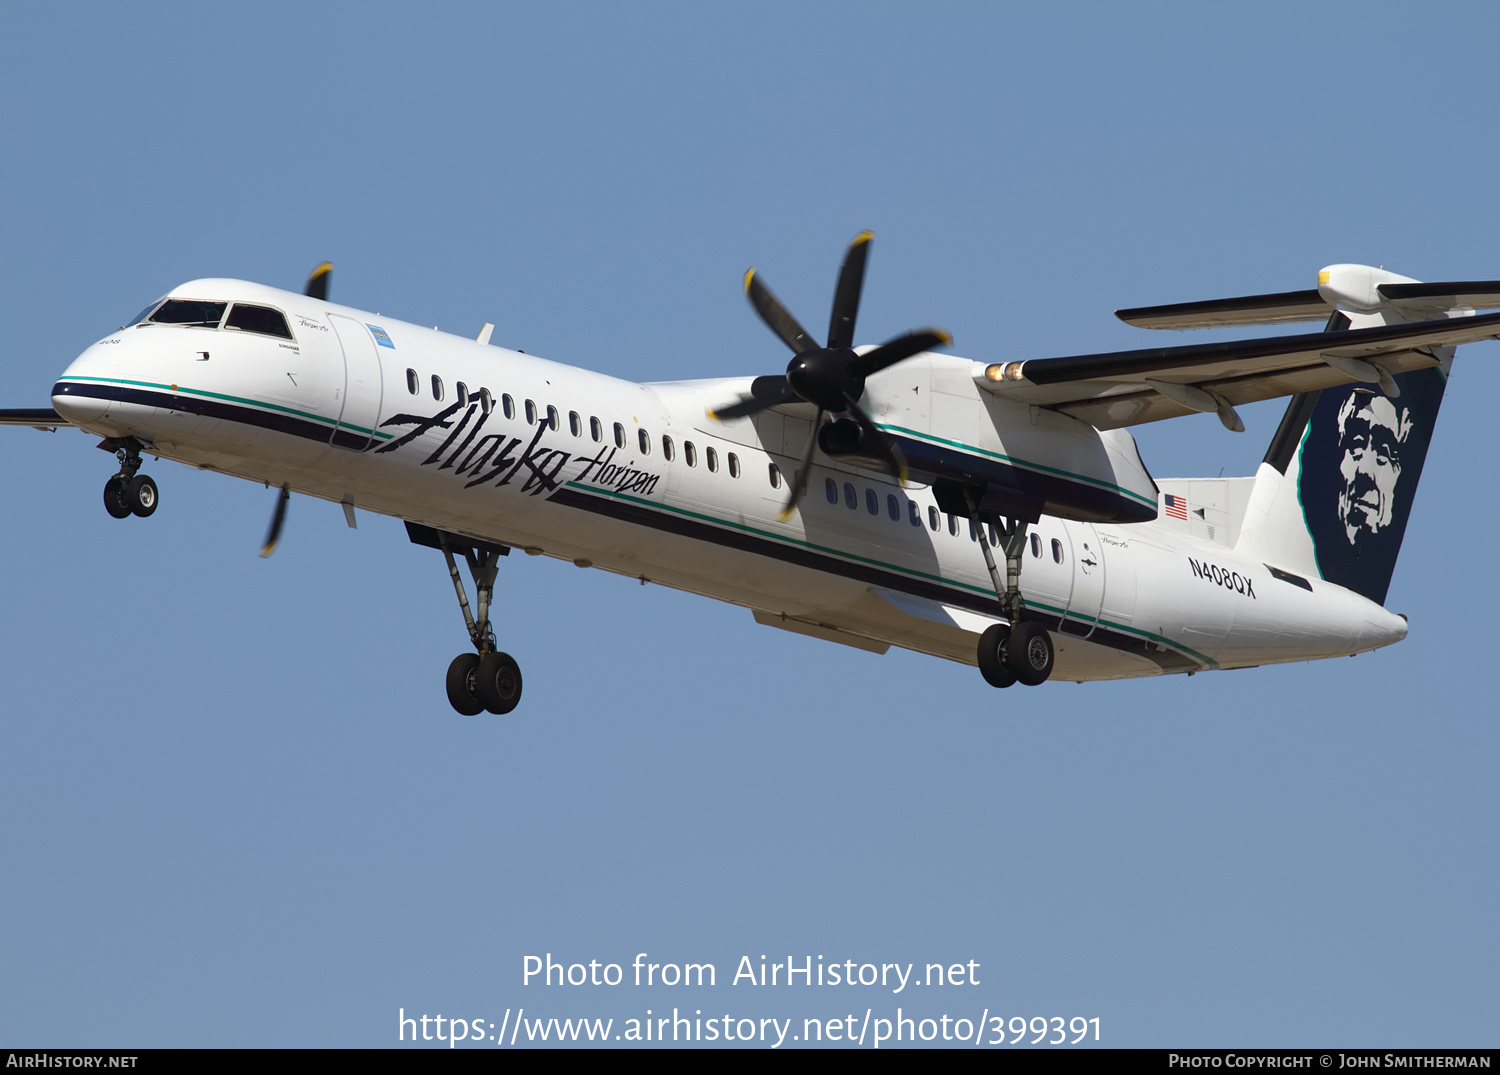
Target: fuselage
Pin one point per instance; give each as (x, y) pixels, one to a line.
(635, 478)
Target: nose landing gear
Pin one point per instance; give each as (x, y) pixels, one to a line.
(128, 492)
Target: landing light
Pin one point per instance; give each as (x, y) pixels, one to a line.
(1003, 371)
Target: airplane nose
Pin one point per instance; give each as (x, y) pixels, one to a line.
(79, 409)
(81, 394)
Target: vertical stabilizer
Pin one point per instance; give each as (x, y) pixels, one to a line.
(1336, 488)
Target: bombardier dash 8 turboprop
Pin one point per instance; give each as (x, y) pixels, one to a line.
(997, 514)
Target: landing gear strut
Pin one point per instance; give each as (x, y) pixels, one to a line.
(486, 680)
(128, 492)
(1021, 651)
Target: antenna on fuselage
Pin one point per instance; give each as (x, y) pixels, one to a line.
(317, 283)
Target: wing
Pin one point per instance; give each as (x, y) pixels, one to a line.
(36, 417)
(1275, 309)
(1125, 388)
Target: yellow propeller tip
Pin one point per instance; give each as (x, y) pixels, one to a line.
(945, 337)
(713, 415)
(749, 275)
(787, 514)
(863, 237)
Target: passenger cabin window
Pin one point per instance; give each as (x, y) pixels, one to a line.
(953, 525)
(463, 393)
(190, 312)
(261, 319)
(1036, 546)
(872, 502)
(644, 440)
(507, 405)
(666, 449)
(575, 424)
(413, 383)
(831, 488)
(734, 465)
(553, 421)
(619, 435)
(915, 513)
(893, 507)
(932, 518)
(689, 453)
(1056, 551)
(530, 413)
(487, 401)
(713, 460)
(437, 388)
(596, 430)
(775, 476)
(851, 498)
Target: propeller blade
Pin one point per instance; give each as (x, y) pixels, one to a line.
(902, 347)
(776, 316)
(878, 439)
(752, 404)
(273, 537)
(799, 480)
(846, 296)
(317, 283)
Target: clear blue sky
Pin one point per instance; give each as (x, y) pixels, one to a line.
(235, 808)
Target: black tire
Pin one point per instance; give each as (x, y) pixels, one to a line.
(1029, 653)
(992, 656)
(114, 498)
(141, 495)
(497, 683)
(461, 681)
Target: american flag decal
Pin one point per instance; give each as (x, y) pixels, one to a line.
(1176, 506)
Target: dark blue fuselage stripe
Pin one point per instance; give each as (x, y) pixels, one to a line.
(1168, 660)
(214, 408)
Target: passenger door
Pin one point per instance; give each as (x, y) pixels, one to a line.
(360, 402)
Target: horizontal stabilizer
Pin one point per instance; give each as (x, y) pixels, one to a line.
(1282, 308)
(36, 417)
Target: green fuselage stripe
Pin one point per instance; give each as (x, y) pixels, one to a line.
(179, 390)
(846, 555)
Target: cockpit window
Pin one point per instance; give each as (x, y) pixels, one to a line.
(260, 319)
(190, 312)
(138, 318)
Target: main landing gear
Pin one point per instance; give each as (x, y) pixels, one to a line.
(1021, 651)
(486, 680)
(129, 492)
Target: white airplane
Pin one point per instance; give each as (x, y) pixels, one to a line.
(994, 513)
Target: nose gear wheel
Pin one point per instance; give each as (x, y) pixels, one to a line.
(129, 492)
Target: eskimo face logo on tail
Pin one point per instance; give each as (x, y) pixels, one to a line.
(1372, 430)
(1360, 461)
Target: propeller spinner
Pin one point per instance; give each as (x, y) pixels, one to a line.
(831, 378)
